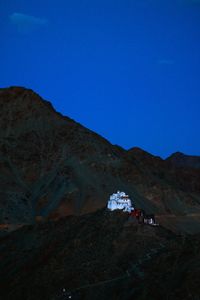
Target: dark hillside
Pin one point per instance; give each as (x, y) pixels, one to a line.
(102, 255)
(52, 167)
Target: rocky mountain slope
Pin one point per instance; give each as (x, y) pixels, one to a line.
(52, 166)
(182, 160)
(102, 255)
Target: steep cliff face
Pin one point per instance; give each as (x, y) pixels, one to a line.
(52, 166)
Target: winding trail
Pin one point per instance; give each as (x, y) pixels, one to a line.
(133, 270)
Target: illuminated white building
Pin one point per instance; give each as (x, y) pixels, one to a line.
(120, 201)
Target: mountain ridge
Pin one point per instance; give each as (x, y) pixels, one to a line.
(52, 166)
(181, 160)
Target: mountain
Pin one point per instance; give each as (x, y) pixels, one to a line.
(182, 160)
(101, 255)
(62, 243)
(51, 167)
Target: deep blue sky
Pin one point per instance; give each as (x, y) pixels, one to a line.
(128, 69)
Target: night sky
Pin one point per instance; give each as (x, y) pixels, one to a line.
(128, 70)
